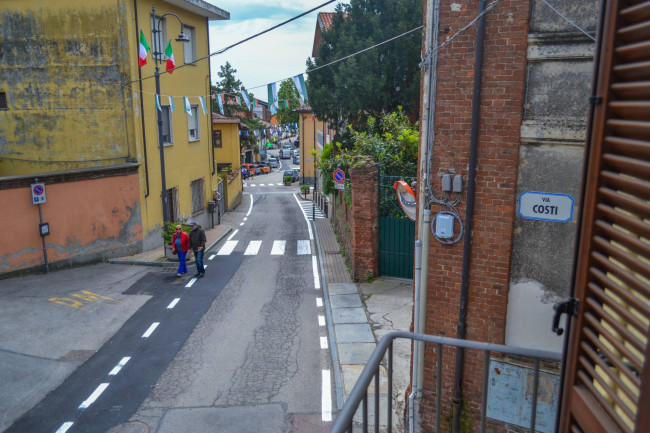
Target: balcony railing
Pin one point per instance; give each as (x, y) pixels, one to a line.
(382, 418)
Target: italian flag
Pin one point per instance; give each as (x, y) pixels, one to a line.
(143, 50)
(171, 64)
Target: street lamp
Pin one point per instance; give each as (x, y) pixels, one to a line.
(157, 55)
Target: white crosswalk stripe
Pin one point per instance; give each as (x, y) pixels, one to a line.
(253, 248)
(304, 247)
(278, 248)
(227, 248)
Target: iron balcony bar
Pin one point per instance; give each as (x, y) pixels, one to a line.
(359, 395)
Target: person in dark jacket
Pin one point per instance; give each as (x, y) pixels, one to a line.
(180, 245)
(197, 244)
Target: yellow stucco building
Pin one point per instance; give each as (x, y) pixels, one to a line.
(73, 98)
(227, 157)
(314, 133)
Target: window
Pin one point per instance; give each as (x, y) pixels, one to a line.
(198, 196)
(193, 123)
(167, 136)
(189, 48)
(216, 138)
(3, 101)
(163, 37)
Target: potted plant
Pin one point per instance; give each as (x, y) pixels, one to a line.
(169, 228)
(304, 189)
(287, 180)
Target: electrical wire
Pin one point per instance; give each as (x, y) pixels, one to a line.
(569, 21)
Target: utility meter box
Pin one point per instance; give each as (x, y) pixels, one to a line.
(212, 206)
(444, 226)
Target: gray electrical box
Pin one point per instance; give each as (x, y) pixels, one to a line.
(446, 182)
(444, 226)
(458, 183)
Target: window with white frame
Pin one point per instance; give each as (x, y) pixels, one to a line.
(189, 48)
(163, 37)
(167, 134)
(193, 123)
(198, 195)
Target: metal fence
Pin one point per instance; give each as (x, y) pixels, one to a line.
(358, 399)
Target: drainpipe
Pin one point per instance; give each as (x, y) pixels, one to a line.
(210, 126)
(144, 134)
(416, 347)
(424, 213)
(461, 330)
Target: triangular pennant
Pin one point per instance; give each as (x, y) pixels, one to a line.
(202, 100)
(220, 102)
(158, 103)
(171, 104)
(244, 95)
(188, 107)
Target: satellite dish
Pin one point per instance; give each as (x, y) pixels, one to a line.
(406, 198)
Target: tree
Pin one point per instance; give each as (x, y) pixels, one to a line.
(376, 81)
(229, 86)
(288, 92)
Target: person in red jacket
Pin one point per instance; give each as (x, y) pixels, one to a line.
(181, 243)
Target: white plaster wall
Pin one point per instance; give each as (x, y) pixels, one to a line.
(530, 317)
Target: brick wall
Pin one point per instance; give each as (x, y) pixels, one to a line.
(357, 225)
(496, 178)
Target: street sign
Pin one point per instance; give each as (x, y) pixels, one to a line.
(38, 193)
(340, 186)
(339, 176)
(546, 206)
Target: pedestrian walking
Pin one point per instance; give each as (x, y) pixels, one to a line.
(197, 244)
(181, 244)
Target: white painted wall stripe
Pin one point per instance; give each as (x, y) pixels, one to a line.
(94, 396)
(323, 342)
(326, 399)
(119, 366)
(278, 248)
(64, 427)
(253, 248)
(314, 265)
(227, 248)
(304, 247)
(190, 283)
(319, 302)
(232, 235)
(173, 303)
(321, 320)
(152, 328)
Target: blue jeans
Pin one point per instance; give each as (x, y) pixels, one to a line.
(198, 258)
(182, 266)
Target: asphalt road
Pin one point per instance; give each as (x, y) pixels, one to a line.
(240, 350)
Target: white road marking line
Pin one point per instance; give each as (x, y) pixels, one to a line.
(232, 235)
(326, 399)
(321, 320)
(278, 248)
(251, 206)
(252, 184)
(94, 396)
(323, 342)
(261, 184)
(173, 303)
(314, 265)
(119, 366)
(64, 427)
(245, 219)
(311, 234)
(253, 248)
(319, 302)
(279, 184)
(227, 248)
(205, 266)
(212, 257)
(241, 224)
(190, 283)
(304, 247)
(152, 328)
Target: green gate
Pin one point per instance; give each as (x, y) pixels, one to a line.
(396, 231)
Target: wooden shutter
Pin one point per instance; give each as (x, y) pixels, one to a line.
(607, 381)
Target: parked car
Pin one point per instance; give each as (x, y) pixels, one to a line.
(265, 167)
(253, 169)
(273, 163)
(292, 173)
(296, 159)
(285, 152)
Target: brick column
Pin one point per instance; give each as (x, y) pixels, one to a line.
(365, 245)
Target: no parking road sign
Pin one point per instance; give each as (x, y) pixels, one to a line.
(339, 176)
(38, 193)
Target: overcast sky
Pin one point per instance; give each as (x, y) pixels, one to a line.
(272, 57)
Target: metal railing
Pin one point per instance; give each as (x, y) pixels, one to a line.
(372, 371)
(321, 201)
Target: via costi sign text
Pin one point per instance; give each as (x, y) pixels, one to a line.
(546, 206)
